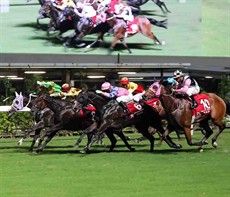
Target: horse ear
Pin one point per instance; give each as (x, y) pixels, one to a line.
(16, 94)
(20, 93)
(160, 82)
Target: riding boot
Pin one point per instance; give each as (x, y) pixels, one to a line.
(61, 18)
(194, 103)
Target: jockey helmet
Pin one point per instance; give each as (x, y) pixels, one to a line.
(105, 86)
(177, 74)
(65, 87)
(124, 81)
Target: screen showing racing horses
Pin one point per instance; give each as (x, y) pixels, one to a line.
(109, 27)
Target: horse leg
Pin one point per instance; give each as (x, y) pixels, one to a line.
(125, 45)
(103, 127)
(114, 42)
(208, 131)
(221, 127)
(164, 5)
(143, 129)
(168, 139)
(112, 139)
(42, 146)
(36, 136)
(187, 132)
(160, 4)
(86, 132)
(99, 37)
(25, 136)
(68, 41)
(120, 134)
(37, 126)
(39, 18)
(50, 133)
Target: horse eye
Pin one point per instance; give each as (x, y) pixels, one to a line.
(16, 102)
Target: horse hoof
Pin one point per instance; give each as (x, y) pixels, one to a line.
(132, 149)
(83, 152)
(200, 150)
(80, 45)
(35, 152)
(214, 144)
(163, 42)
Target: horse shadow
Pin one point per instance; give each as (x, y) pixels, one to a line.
(34, 26)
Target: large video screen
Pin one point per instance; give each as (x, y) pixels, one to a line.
(194, 28)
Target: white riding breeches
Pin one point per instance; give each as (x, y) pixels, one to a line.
(193, 90)
(138, 97)
(125, 99)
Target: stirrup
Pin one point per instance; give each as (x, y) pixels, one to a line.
(193, 105)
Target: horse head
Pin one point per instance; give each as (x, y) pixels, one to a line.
(39, 104)
(153, 91)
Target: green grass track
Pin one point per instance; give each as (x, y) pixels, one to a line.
(61, 171)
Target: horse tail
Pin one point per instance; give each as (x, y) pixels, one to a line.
(227, 107)
(157, 23)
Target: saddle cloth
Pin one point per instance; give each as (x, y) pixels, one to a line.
(203, 105)
(132, 27)
(153, 102)
(134, 108)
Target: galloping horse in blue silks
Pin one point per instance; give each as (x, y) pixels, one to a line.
(210, 107)
(114, 116)
(67, 117)
(43, 118)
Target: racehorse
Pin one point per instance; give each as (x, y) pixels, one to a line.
(60, 20)
(151, 99)
(113, 116)
(211, 106)
(43, 11)
(67, 117)
(120, 31)
(137, 3)
(43, 118)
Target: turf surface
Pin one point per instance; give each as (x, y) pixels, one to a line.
(195, 28)
(62, 171)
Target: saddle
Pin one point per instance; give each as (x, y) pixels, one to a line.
(132, 109)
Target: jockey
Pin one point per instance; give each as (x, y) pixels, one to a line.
(109, 91)
(62, 4)
(136, 89)
(88, 12)
(110, 4)
(187, 85)
(67, 90)
(124, 12)
(52, 88)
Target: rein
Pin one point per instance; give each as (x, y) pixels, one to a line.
(179, 107)
(30, 96)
